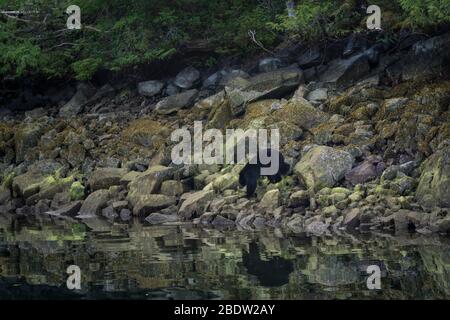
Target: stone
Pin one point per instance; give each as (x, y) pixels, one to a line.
(227, 181)
(119, 205)
(301, 113)
(94, 203)
(148, 182)
(150, 88)
(344, 72)
(176, 102)
(5, 195)
(299, 199)
(323, 167)
(76, 104)
(317, 95)
(172, 188)
(125, 214)
(70, 209)
(109, 213)
(220, 221)
(158, 218)
(352, 219)
(104, 178)
(434, 183)
(187, 78)
(317, 227)
(195, 204)
(362, 173)
(146, 204)
(270, 200)
(74, 154)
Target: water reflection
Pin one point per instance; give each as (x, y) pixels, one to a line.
(184, 262)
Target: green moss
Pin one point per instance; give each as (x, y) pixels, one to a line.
(77, 191)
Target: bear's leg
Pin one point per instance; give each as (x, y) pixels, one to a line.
(251, 187)
(274, 178)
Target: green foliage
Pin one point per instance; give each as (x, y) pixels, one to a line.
(118, 34)
(423, 13)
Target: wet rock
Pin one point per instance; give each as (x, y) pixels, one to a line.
(434, 182)
(104, 178)
(220, 221)
(150, 88)
(195, 204)
(311, 57)
(149, 203)
(323, 167)
(187, 78)
(109, 213)
(94, 203)
(70, 209)
(316, 227)
(158, 218)
(276, 84)
(176, 102)
(362, 173)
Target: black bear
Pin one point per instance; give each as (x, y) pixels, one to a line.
(252, 171)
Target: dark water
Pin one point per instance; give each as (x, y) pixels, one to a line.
(184, 262)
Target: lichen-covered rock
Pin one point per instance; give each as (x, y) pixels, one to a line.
(149, 203)
(103, 178)
(94, 203)
(172, 188)
(323, 167)
(26, 137)
(434, 183)
(270, 200)
(195, 204)
(148, 182)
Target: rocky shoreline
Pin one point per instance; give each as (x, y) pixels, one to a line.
(365, 128)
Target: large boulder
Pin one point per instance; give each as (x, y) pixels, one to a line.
(147, 183)
(344, 72)
(323, 167)
(195, 204)
(78, 101)
(150, 88)
(149, 203)
(362, 173)
(187, 78)
(94, 203)
(301, 113)
(104, 178)
(176, 102)
(269, 85)
(434, 183)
